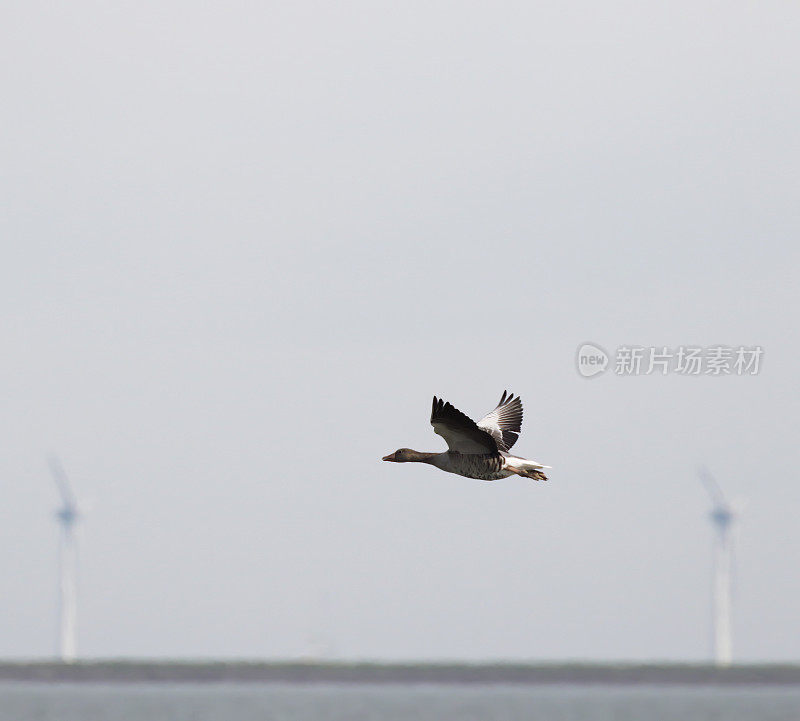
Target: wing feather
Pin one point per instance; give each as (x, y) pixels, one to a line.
(504, 423)
(461, 432)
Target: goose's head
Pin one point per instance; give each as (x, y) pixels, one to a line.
(401, 455)
(406, 455)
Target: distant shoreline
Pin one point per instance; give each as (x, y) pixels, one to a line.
(396, 673)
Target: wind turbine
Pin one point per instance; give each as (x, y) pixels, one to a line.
(67, 516)
(723, 514)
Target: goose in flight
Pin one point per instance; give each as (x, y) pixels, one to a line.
(476, 450)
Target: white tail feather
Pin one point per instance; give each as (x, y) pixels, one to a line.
(526, 468)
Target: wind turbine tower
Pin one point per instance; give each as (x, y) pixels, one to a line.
(67, 516)
(723, 514)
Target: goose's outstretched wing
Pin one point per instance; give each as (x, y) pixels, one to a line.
(461, 432)
(504, 423)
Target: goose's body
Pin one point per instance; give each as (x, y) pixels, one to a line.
(476, 450)
(484, 467)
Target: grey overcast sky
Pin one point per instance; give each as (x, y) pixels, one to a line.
(244, 243)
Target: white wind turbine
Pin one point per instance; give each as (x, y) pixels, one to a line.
(67, 516)
(722, 515)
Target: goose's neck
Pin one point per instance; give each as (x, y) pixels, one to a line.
(420, 457)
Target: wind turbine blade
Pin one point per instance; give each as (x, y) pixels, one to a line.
(62, 482)
(717, 496)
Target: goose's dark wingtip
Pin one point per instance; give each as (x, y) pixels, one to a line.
(507, 398)
(436, 407)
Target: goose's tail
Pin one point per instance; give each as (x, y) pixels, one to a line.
(524, 467)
